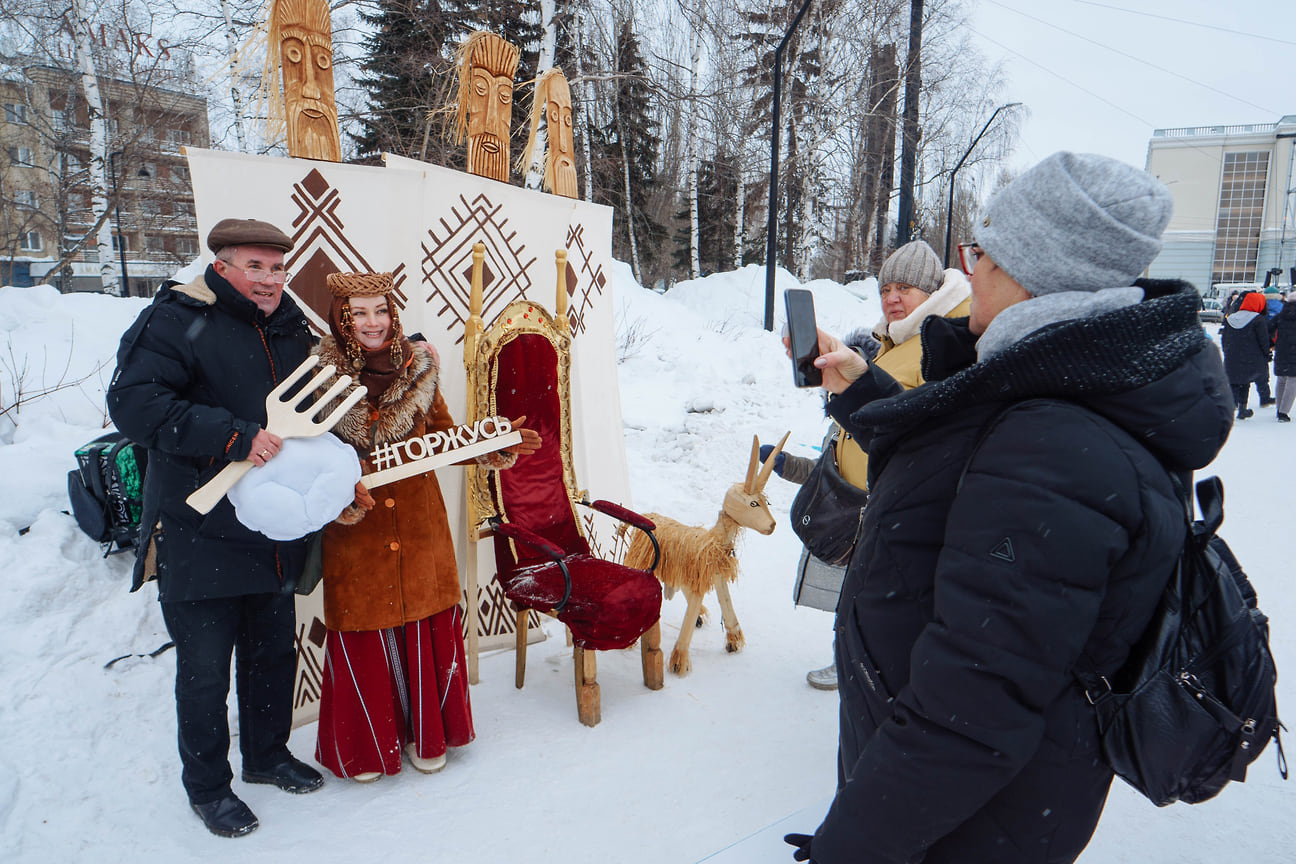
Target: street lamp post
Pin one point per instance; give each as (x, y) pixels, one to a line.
(949, 209)
(771, 222)
(121, 238)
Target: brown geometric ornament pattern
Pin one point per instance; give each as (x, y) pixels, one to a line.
(447, 262)
(310, 659)
(321, 247)
(495, 615)
(585, 276)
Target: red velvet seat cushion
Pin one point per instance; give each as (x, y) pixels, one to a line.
(610, 605)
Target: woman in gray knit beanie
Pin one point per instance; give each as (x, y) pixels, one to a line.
(909, 276)
(913, 287)
(1021, 528)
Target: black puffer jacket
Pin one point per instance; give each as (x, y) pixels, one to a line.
(1285, 346)
(974, 593)
(1245, 340)
(192, 375)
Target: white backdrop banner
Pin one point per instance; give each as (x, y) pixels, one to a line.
(420, 221)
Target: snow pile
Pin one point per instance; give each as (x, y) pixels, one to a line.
(88, 768)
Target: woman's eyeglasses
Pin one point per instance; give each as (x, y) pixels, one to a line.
(969, 254)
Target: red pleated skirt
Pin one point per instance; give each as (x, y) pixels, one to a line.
(386, 688)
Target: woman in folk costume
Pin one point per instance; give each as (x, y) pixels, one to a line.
(394, 672)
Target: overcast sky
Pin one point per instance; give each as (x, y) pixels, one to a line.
(1099, 75)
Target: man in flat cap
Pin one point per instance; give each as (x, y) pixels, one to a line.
(193, 373)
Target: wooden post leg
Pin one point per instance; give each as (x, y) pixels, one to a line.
(650, 650)
(472, 592)
(523, 622)
(588, 706)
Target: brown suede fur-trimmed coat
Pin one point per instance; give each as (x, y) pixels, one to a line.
(396, 564)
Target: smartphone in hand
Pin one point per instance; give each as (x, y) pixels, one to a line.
(803, 333)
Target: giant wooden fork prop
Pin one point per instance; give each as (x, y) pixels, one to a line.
(291, 418)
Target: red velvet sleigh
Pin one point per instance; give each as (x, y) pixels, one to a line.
(519, 367)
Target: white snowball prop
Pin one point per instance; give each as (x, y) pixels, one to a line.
(300, 490)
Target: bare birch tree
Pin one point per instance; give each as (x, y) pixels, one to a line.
(81, 26)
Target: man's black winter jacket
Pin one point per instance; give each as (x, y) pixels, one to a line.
(192, 376)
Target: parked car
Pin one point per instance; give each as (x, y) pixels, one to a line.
(1212, 311)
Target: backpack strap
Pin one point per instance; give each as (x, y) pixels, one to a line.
(98, 452)
(1210, 500)
(1210, 494)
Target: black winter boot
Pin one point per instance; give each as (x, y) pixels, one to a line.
(227, 817)
(291, 775)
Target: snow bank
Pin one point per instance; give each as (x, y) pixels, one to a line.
(88, 769)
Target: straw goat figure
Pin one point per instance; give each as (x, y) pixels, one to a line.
(696, 559)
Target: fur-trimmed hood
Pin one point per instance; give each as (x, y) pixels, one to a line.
(409, 397)
(196, 290)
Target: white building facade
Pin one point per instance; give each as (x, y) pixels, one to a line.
(1234, 215)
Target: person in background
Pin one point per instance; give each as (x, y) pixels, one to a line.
(1233, 302)
(1246, 345)
(1022, 521)
(193, 373)
(1284, 364)
(818, 583)
(912, 287)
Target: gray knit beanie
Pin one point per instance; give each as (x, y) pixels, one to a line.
(914, 264)
(1076, 222)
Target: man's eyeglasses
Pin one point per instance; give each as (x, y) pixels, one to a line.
(260, 274)
(969, 255)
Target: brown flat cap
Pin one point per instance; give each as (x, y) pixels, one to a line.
(247, 232)
(359, 284)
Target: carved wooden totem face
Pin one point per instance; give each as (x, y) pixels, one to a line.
(562, 151)
(306, 51)
(491, 65)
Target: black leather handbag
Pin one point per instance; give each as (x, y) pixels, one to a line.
(828, 512)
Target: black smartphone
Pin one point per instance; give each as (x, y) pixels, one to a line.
(803, 333)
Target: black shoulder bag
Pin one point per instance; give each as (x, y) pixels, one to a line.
(828, 512)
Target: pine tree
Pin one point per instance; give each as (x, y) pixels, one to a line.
(407, 73)
(627, 161)
(802, 66)
(717, 218)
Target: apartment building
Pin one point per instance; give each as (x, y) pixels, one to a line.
(1235, 213)
(45, 193)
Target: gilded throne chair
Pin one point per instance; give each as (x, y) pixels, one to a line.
(519, 366)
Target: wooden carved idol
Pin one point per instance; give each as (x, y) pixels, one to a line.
(553, 106)
(302, 38)
(487, 64)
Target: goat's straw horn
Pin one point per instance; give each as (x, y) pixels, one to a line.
(769, 463)
(751, 466)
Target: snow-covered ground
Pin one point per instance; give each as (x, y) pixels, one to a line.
(88, 768)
